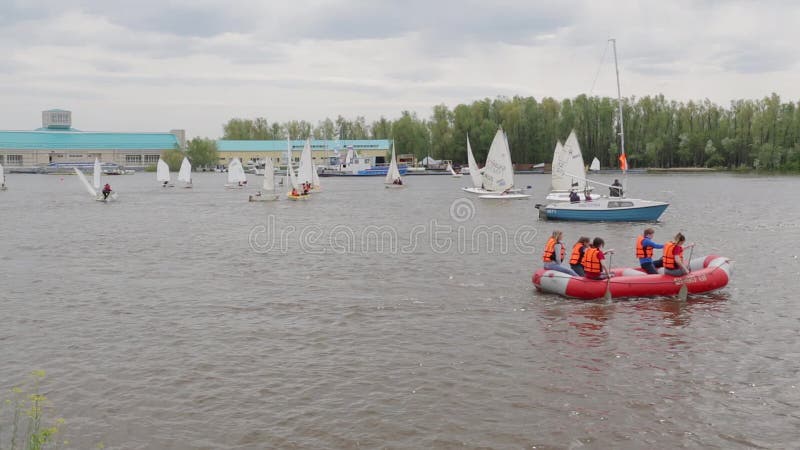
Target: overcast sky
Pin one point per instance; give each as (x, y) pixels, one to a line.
(153, 65)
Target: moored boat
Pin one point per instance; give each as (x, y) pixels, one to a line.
(707, 273)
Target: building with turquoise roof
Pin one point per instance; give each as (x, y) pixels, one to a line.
(56, 142)
(322, 151)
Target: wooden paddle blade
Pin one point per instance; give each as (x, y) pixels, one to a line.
(608, 291)
(683, 293)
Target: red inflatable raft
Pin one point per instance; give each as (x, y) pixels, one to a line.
(706, 274)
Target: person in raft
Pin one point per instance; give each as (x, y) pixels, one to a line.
(593, 260)
(673, 256)
(644, 251)
(578, 252)
(554, 252)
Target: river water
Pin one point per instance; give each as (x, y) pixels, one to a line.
(375, 318)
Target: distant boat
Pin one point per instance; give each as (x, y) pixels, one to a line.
(499, 180)
(595, 167)
(296, 194)
(393, 178)
(2, 179)
(452, 171)
(185, 173)
(612, 209)
(267, 192)
(568, 171)
(94, 188)
(162, 174)
(307, 171)
(236, 176)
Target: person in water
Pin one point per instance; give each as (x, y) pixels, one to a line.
(644, 251)
(673, 256)
(578, 252)
(554, 252)
(594, 260)
(106, 191)
(573, 196)
(616, 189)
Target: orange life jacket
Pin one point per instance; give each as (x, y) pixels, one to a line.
(642, 252)
(549, 249)
(577, 255)
(591, 260)
(669, 256)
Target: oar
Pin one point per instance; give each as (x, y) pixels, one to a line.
(608, 279)
(684, 291)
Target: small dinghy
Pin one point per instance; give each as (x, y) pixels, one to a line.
(706, 274)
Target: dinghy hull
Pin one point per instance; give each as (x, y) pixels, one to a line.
(708, 273)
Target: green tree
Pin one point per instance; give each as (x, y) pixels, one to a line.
(202, 152)
(173, 158)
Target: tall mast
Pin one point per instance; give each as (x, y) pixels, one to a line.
(619, 102)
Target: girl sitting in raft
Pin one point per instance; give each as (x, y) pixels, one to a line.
(593, 260)
(673, 256)
(554, 252)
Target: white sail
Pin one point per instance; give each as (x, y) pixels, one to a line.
(269, 175)
(314, 177)
(568, 165)
(306, 168)
(289, 170)
(450, 169)
(498, 174)
(236, 172)
(162, 171)
(85, 182)
(98, 169)
(474, 172)
(394, 172)
(185, 173)
(595, 165)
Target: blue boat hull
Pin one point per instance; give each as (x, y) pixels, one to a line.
(638, 214)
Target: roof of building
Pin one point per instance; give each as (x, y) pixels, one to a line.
(80, 140)
(224, 145)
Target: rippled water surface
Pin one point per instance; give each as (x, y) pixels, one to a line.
(367, 317)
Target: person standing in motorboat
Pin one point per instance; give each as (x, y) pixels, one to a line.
(616, 189)
(554, 253)
(106, 191)
(578, 252)
(594, 261)
(673, 256)
(573, 196)
(644, 251)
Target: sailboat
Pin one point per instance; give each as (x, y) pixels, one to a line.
(236, 176)
(297, 191)
(162, 174)
(612, 209)
(452, 171)
(474, 172)
(267, 192)
(94, 188)
(185, 173)
(306, 171)
(485, 182)
(568, 171)
(2, 179)
(595, 166)
(393, 178)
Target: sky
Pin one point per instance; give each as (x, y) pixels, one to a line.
(156, 65)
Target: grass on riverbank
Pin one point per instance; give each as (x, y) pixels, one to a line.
(22, 422)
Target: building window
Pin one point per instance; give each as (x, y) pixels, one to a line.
(133, 159)
(14, 160)
(151, 158)
(75, 156)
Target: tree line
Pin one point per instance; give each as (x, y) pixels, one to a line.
(761, 134)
